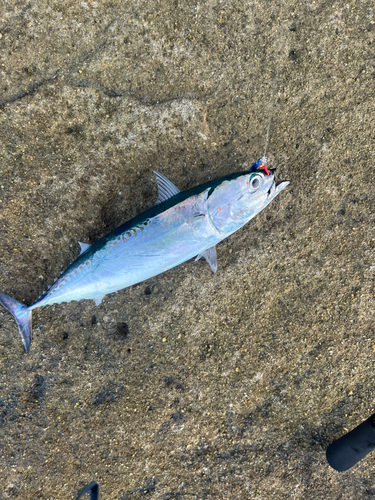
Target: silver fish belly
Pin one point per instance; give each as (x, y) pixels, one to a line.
(181, 225)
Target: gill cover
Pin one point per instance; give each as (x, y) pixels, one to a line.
(238, 200)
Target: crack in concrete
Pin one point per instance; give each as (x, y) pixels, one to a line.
(115, 92)
(30, 90)
(110, 92)
(33, 87)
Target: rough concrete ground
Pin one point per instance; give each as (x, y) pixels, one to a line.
(191, 385)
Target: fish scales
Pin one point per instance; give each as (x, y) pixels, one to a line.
(182, 225)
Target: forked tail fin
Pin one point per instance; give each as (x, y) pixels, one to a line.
(22, 315)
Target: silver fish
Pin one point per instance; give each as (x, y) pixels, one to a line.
(180, 226)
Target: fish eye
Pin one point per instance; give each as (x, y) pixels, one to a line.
(255, 182)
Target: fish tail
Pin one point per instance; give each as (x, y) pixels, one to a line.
(22, 315)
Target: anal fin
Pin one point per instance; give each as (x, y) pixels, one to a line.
(98, 299)
(210, 256)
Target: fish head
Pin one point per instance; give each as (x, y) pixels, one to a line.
(237, 200)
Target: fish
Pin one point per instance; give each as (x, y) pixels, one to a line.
(180, 226)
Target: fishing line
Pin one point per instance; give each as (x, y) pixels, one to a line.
(264, 158)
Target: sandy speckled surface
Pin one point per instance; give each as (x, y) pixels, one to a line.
(191, 385)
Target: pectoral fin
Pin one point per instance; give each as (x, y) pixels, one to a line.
(166, 188)
(211, 258)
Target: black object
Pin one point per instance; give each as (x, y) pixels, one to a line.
(352, 447)
(92, 488)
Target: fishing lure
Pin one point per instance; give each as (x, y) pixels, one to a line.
(180, 226)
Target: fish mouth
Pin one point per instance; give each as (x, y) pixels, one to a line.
(277, 186)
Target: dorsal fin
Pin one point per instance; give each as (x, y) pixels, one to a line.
(211, 258)
(84, 247)
(166, 188)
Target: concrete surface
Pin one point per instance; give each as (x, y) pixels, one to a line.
(191, 385)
